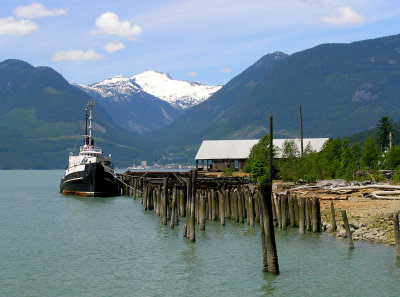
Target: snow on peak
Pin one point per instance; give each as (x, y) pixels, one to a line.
(180, 94)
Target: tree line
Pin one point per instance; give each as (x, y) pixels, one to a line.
(337, 159)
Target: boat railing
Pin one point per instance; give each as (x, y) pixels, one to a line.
(90, 149)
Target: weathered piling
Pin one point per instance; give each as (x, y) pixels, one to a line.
(265, 202)
(316, 222)
(307, 204)
(277, 204)
(240, 206)
(174, 215)
(182, 203)
(347, 228)
(214, 205)
(301, 215)
(296, 211)
(333, 218)
(250, 213)
(192, 234)
(221, 196)
(164, 200)
(202, 211)
(186, 229)
(284, 211)
(396, 234)
(256, 207)
(292, 218)
(208, 205)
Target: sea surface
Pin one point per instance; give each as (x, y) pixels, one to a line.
(55, 245)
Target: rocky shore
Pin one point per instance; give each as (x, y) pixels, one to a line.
(370, 218)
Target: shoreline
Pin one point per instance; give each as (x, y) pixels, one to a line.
(370, 219)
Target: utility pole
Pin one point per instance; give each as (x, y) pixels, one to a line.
(301, 132)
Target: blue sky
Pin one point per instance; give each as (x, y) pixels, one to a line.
(210, 41)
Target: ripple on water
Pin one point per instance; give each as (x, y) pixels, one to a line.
(52, 245)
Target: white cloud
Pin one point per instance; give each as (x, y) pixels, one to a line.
(191, 74)
(342, 16)
(226, 70)
(114, 46)
(109, 23)
(11, 26)
(75, 55)
(37, 10)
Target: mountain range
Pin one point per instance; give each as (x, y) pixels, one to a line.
(42, 117)
(147, 101)
(342, 89)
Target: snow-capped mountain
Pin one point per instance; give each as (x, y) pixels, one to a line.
(180, 94)
(149, 100)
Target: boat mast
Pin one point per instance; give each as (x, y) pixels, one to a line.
(86, 127)
(90, 104)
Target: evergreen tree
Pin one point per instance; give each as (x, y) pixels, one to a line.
(370, 153)
(330, 158)
(384, 126)
(345, 162)
(258, 162)
(392, 158)
(288, 164)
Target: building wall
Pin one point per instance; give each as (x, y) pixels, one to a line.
(241, 164)
(220, 165)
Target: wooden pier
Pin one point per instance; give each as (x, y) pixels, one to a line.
(199, 197)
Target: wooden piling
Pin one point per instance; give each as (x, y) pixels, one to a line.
(227, 203)
(214, 203)
(256, 207)
(192, 236)
(315, 216)
(284, 211)
(202, 211)
(221, 196)
(164, 199)
(174, 215)
(277, 204)
(301, 215)
(209, 205)
(296, 210)
(347, 227)
(250, 213)
(307, 205)
(266, 218)
(333, 218)
(186, 229)
(240, 206)
(396, 234)
(183, 199)
(292, 218)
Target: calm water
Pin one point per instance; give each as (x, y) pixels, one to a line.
(52, 245)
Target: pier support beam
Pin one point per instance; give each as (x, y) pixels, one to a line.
(347, 227)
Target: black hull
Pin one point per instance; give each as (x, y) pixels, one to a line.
(93, 181)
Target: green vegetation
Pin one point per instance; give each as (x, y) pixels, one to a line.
(257, 164)
(228, 171)
(337, 159)
(41, 116)
(385, 126)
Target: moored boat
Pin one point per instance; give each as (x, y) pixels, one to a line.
(89, 173)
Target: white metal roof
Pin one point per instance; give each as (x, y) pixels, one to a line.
(240, 149)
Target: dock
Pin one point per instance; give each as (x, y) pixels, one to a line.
(217, 199)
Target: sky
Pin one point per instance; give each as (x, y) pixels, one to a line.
(209, 41)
